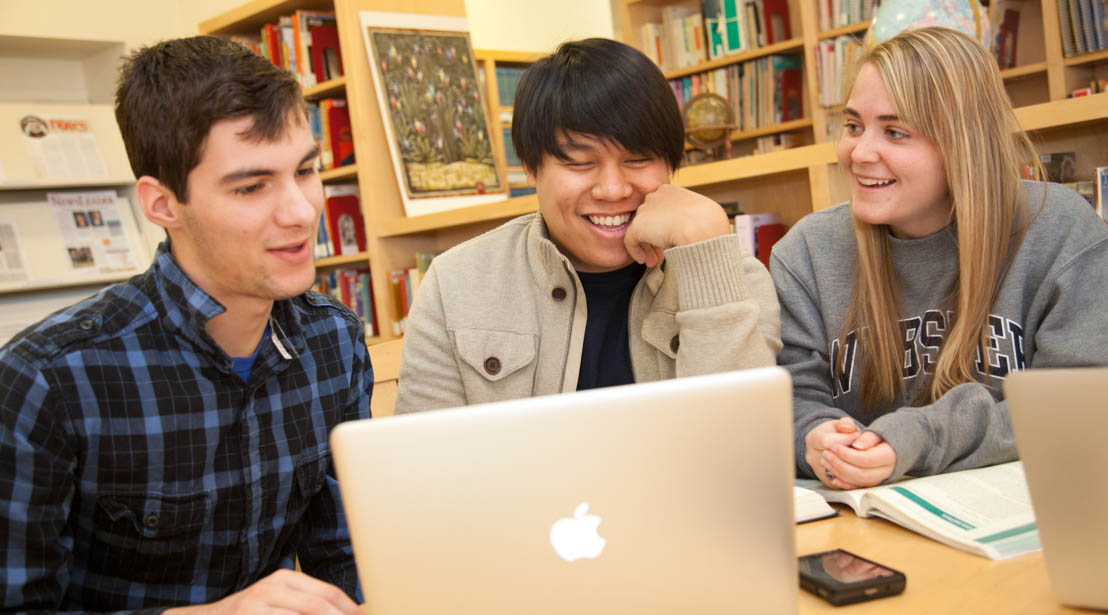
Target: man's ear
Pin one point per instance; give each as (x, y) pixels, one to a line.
(158, 202)
(531, 176)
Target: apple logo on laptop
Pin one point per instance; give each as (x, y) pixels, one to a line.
(576, 537)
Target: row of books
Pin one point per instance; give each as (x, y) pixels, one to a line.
(507, 80)
(354, 288)
(762, 92)
(758, 232)
(404, 284)
(1096, 86)
(329, 120)
(305, 43)
(1004, 15)
(341, 229)
(834, 57)
(839, 13)
(1084, 26)
(775, 142)
(688, 36)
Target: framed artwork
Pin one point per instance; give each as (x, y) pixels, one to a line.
(433, 108)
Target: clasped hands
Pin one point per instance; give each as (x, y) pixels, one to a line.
(844, 458)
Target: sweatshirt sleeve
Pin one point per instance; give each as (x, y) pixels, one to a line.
(429, 377)
(804, 356)
(967, 428)
(728, 317)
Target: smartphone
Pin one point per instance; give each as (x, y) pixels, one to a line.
(841, 577)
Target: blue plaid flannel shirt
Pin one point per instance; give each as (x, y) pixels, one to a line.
(137, 471)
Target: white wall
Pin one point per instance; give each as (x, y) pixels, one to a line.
(135, 22)
(515, 25)
(536, 25)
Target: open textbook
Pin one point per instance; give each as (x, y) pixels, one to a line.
(810, 506)
(986, 511)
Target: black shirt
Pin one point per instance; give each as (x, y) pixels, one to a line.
(606, 356)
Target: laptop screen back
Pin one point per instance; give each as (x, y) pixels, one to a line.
(1060, 418)
(672, 496)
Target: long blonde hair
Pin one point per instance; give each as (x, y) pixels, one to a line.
(947, 86)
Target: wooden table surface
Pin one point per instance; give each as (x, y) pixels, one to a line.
(941, 579)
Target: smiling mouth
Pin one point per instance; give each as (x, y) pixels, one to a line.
(292, 248)
(611, 223)
(875, 183)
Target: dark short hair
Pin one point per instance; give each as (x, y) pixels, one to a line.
(601, 88)
(170, 94)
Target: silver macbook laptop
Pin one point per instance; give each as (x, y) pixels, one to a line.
(1060, 417)
(667, 497)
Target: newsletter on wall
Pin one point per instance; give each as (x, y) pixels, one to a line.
(62, 147)
(91, 228)
(13, 262)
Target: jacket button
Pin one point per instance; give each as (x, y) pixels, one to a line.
(492, 366)
(675, 343)
(151, 521)
(558, 293)
(87, 324)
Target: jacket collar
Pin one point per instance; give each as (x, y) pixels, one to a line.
(548, 262)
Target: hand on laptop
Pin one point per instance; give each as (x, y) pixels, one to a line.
(672, 216)
(844, 458)
(285, 591)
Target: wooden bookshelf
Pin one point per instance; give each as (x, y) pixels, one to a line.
(328, 89)
(345, 173)
(330, 262)
(789, 47)
(1022, 71)
(848, 30)
(793, 181)
(487, 62)
(491, 212)
(1087, 58)
(392, 238)
(809, 174)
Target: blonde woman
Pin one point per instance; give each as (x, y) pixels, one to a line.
(887, 301)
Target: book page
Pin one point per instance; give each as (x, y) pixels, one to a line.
(989, 508)
(853, 498)
(810, 506)
(986, 511)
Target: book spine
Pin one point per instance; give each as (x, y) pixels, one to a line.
(1075, 24)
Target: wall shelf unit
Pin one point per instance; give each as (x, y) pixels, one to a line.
(796, 181)
(392, 238)
(792, 182)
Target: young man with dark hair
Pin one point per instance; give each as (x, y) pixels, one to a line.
(577, 295)
(164, 442)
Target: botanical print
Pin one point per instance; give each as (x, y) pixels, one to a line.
(436, 112)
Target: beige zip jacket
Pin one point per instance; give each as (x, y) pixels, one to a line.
(502, 316)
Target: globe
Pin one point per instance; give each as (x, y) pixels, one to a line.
(896, 16)
(708, 120)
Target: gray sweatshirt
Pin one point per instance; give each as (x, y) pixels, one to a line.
(1050, 312)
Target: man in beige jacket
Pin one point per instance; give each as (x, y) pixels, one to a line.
(620, 277)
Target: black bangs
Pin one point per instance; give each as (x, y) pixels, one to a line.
(598, 87)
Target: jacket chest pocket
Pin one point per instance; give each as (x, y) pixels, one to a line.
(148, 537)
(495, 365)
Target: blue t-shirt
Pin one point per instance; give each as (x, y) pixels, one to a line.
(606, 356)
(244, 366)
